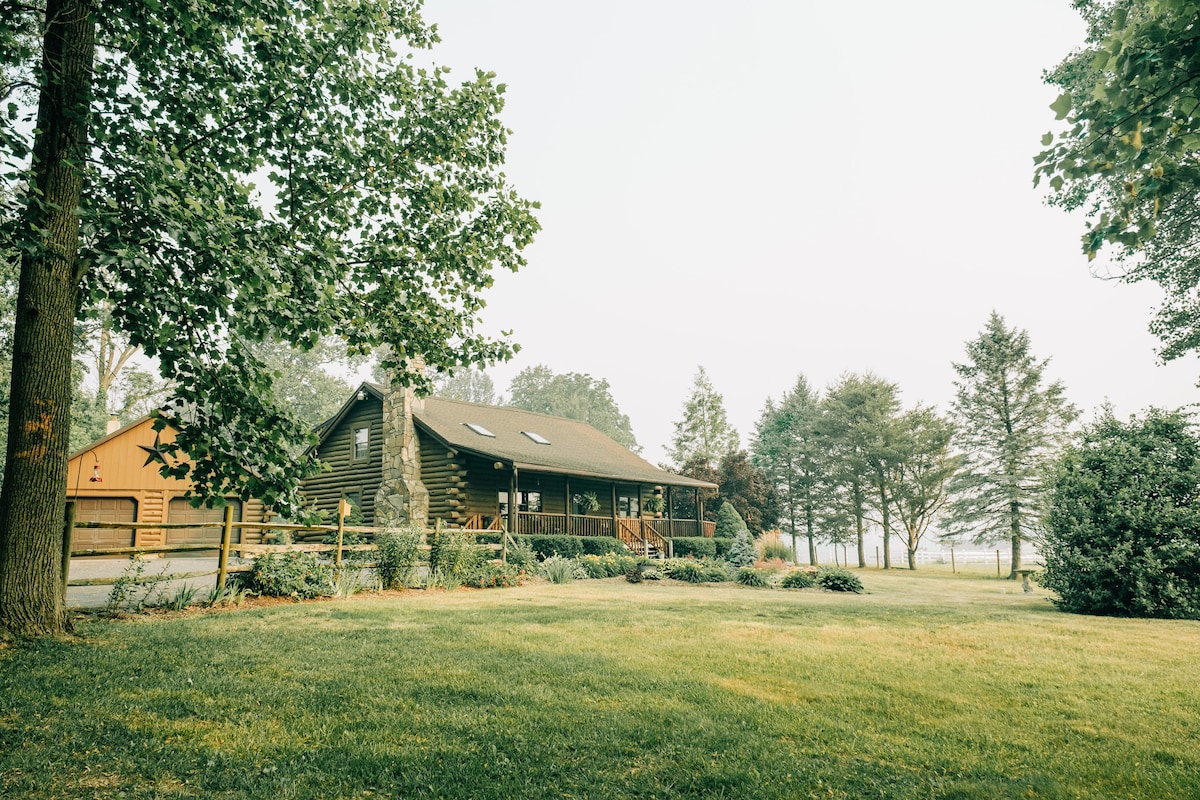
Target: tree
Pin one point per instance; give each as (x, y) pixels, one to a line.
(746, 488)
(920, 474)
(703, 431)
(859, 419)
(1127, 152)
(382, 214)
(471, 385)
(729, 521)
(303, 379)
(1123, 519)
(1009, 423)
(575, 396)
(790, 449)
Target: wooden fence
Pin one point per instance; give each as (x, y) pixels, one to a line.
(227, 545)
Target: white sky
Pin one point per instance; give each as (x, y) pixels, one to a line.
(775, 187)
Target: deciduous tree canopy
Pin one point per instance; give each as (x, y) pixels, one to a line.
(575, 396)
(223, 173)
(1128, 153)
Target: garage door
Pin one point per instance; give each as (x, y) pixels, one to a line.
(104, 509)
(181, 511)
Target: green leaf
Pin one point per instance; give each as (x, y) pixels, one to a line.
(1047, 140)
(1062, 106)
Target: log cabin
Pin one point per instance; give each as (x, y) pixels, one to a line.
(403, 459)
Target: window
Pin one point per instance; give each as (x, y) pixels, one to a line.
(627, 505)
(529, 501)
(482, 431)
(362, 444)
(537, 437)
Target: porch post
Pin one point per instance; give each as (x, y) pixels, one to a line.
(567, 504)
(699, 513)
(613, 491)
(514, 502)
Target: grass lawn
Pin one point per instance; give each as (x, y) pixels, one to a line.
(929, 685)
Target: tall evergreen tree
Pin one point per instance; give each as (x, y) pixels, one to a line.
(703, 432)
(1009, 422)
(791, 451)
(860, 412)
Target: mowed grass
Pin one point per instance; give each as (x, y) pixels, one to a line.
(930, 685)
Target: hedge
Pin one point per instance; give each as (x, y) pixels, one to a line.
(566, 546)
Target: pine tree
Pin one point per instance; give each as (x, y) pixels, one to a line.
(1009, 422)
(704, 431)
(790, 449)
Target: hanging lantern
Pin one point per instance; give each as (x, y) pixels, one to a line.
(96, 474)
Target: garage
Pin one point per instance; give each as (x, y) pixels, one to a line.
(180, 511)
(104, 509)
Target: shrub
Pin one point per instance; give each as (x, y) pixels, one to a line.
(836, 579)
(398, 555)
(723, 546)
(684, 569)
(609, 565)
(749, 576)
(778, 550)
(600, 545)
(453, 558)
(695, 546)
(132, 588)
(1122, 517)
(491, 575)
(558, 569)
(695, 570)
(716, 570)
(798, 579)
(651, 574)
(634, 575)
(565, 546)
(297, 575)
(743, 552)
(729, 521)
(521, 555)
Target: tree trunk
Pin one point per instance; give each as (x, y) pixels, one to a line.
(34, 492)
(1016, 540)
(810, 525)
(858, 523)
(887, 526)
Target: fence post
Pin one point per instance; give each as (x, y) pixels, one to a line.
(876, 556)
(67, 542)
(226, 539)
(952, 569)
(343, 506)
(997, 563)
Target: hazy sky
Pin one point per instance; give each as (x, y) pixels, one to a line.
(775, 187)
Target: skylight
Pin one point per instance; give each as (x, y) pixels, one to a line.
(537, 437)
(482, 431)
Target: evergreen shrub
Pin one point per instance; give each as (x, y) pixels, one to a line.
(695, 546)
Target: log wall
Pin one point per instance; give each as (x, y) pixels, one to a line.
(346, 475)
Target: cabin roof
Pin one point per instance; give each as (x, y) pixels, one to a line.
(532, 441)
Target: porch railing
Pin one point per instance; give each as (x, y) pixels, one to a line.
(656, 530)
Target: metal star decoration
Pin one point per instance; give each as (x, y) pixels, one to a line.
(155, 453)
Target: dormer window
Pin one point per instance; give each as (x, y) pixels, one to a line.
(536, 437)
(482, 431)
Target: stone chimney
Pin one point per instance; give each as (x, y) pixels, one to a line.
(402, 497)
